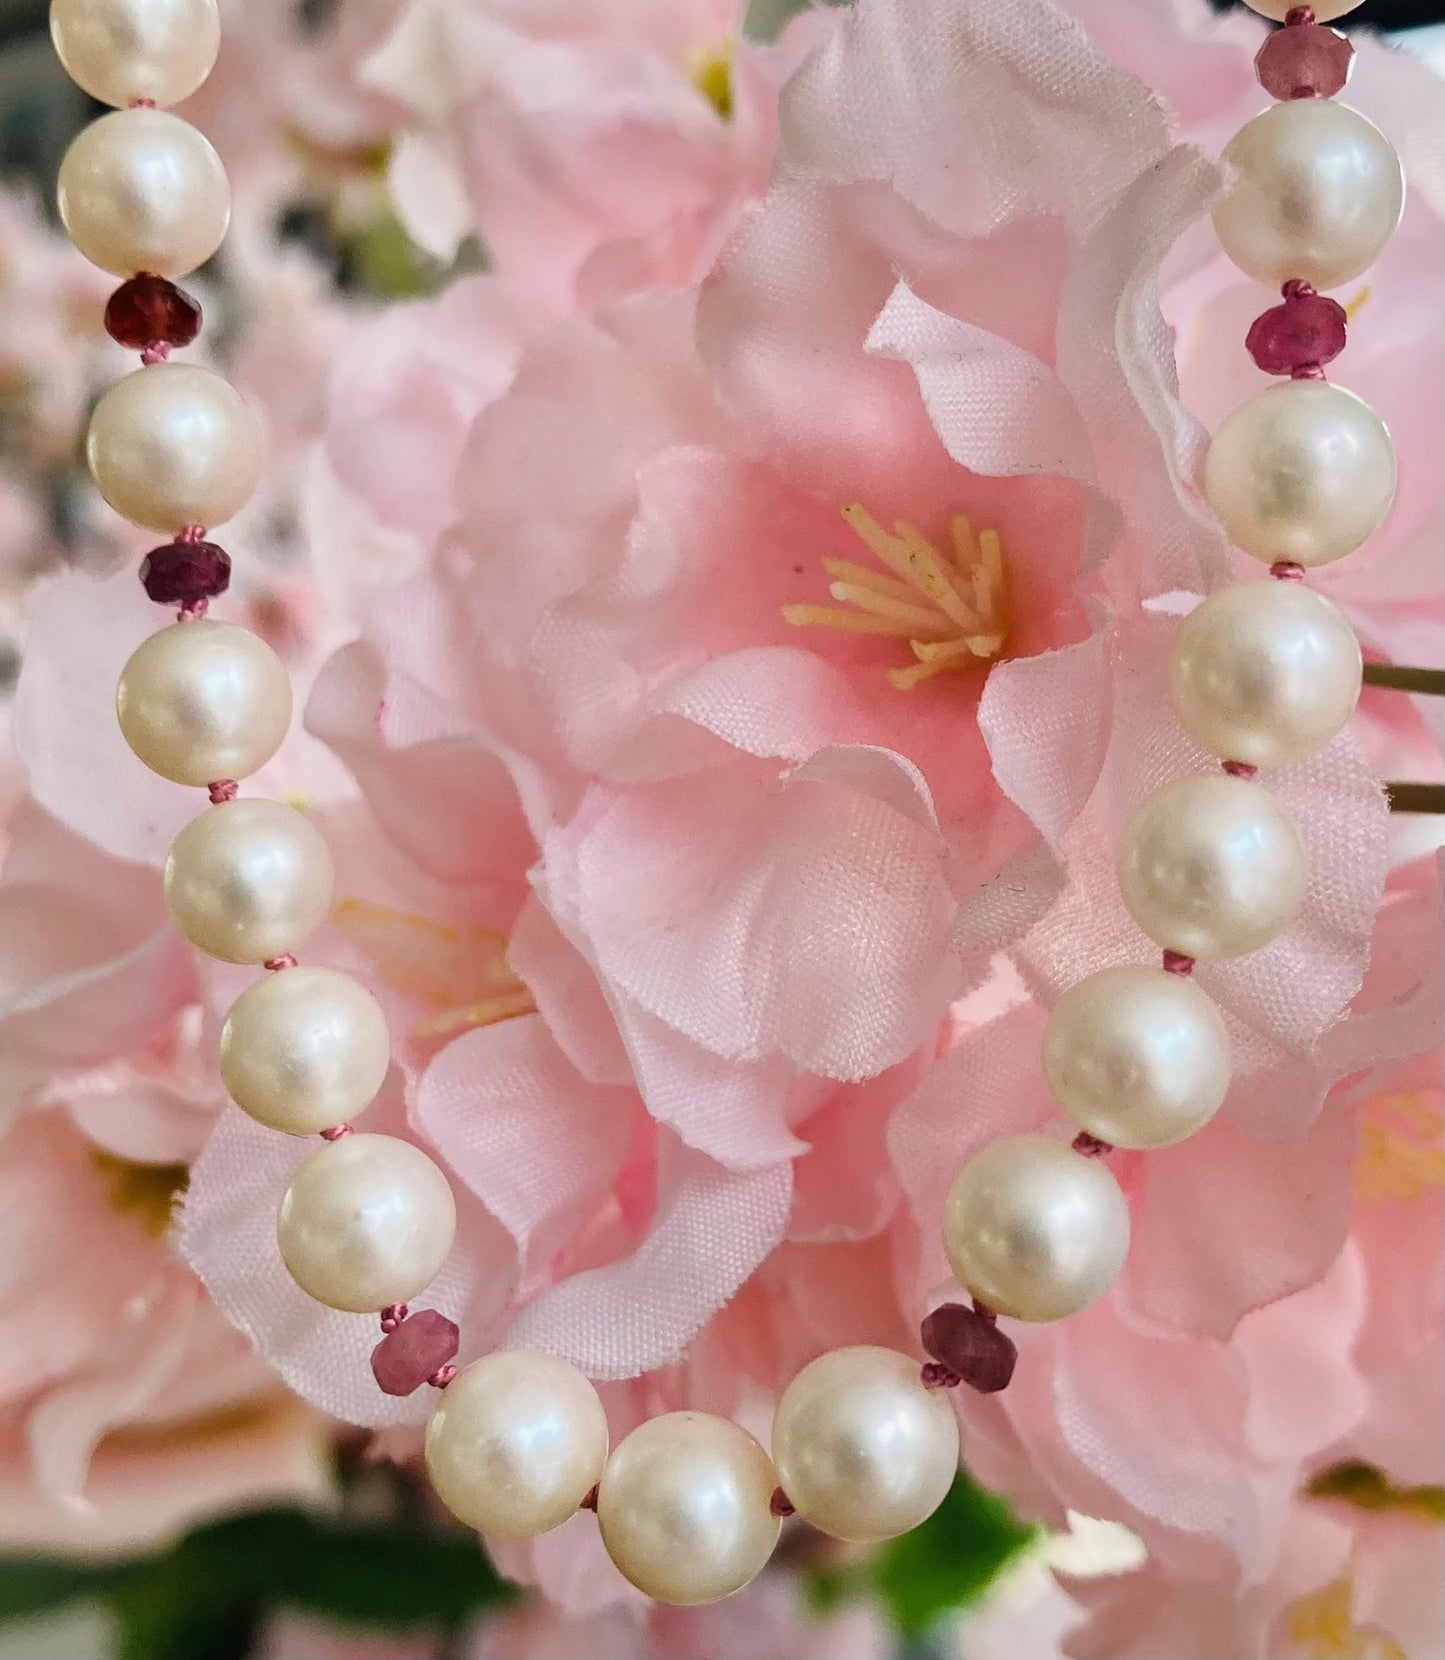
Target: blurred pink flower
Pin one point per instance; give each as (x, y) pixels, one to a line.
(127, 1408)
(767, 1621)
(597, 148)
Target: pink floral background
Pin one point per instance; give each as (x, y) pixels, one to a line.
(716, 924)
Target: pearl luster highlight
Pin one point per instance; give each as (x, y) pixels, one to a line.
(1302, 472)
(1034, 1229)
(204, 700)
(123, 51)
(366, 1222)
(142, 190)
(304, 1050)
(173, 445)
(516, 1443)
(1317, 193)
(1137, 1057)
(1212, 867)
(1265, 672)
(684, 1508)
(862, 1450)
(248, 880)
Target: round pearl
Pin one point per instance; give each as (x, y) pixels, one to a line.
(684, 1507)
(1265, 672)
(248, 880)
(304, 1049)
(1212, 867)
(516, 1444)
(1304, 472)
(1325, 10)
(1034, 1229)
(1317, 192)
(203, 700)
(142, 190)
(366, 1222)
(1137, 1057)
(173, 445)
(123, 51)
(861, 1448)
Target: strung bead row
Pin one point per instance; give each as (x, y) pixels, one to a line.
(689, 1505)
(368, 1220)
(1262, 674)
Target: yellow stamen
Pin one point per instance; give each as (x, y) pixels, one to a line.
(1322, 1626)
(1400, 1154)
(951, 607)
(712, 75)
(146, 1191)
(1357, 303)
(463, 973)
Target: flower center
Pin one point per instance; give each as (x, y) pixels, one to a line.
(951, 607)
(712, 75)
(1400, 1153)
(145, 1191)
(462, 973)
(1323, 1627)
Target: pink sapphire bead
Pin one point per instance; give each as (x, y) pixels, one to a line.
(416, 1352)
(149, 310)
(1304, 60)
(1298, 337)
(970, 1346)
(181, 573)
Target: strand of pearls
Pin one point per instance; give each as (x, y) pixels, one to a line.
(368, 1220)
(1263, 674)
(689, 1505)
(864, 1444)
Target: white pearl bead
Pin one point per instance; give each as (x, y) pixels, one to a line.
(1303, 471)
(684, 1507)
(204, 700)
(862, 1450)
(1325, 10)
(173, 445)
(1212, 867)
(1034, 1229)
(123, 51)
(248, 880)
(516, 1444)
(142, 190)
(304, 1049)
(1317, 192)
(367, 1221)
(1265, 672)
(1137, 1057)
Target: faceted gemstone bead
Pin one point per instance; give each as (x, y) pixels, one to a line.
(148, 309)
(419, 1347)
(1300, 335)
(971, 1345)
(182, 572)
(1304, 60)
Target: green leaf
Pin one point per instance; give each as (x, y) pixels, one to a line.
(204, 1598)
(35, 1585)
(951, 1560)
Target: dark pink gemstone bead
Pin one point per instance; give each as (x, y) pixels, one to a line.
(1305, 60)
(970, 1345)
(183, 572)
(148, 309)
(1306, 331)
(408, 1357)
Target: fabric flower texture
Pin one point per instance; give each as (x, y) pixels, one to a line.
(787, 649)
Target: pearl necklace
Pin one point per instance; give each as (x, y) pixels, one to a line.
(864, 1443)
